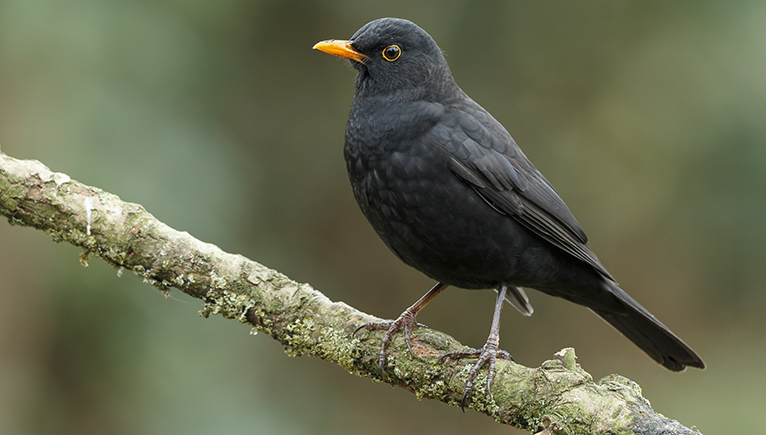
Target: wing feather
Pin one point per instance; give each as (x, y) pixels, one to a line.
(484, 155)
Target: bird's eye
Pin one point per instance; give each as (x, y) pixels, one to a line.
(391, 53)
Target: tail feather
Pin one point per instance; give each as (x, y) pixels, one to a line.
(648, 333)
(516, 297)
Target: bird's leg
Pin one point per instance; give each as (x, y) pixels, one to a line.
(489, 353)
(405, 321)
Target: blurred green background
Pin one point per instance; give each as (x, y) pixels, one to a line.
(649, 117)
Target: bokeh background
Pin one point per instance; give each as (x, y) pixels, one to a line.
(649, 117)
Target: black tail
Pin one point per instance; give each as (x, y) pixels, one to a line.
(654, 338)
(519, 300)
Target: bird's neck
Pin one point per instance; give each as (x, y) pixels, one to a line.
(435, 88)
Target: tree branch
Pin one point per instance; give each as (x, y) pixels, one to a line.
(557, 397)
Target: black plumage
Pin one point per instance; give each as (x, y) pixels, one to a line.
(451, 193)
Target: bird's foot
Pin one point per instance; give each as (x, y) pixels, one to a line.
(406, 322)
(487, 354)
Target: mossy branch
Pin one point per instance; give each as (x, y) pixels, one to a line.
(557, 397)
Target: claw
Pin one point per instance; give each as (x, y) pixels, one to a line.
(405, 321)
(364, 326)
(487, 354)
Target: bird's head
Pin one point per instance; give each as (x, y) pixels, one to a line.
(394, 56)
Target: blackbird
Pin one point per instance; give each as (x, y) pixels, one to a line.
(452, 195)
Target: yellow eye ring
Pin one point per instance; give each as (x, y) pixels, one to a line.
(392, 52)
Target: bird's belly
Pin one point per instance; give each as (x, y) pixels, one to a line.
(436, 223)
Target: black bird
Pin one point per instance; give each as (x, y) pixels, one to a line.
(449, 191)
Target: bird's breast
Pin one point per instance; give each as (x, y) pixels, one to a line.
(429, 218)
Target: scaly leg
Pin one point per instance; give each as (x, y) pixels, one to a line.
(489, 353)
(405, 321)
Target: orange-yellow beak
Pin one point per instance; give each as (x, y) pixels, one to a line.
(340, 48)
